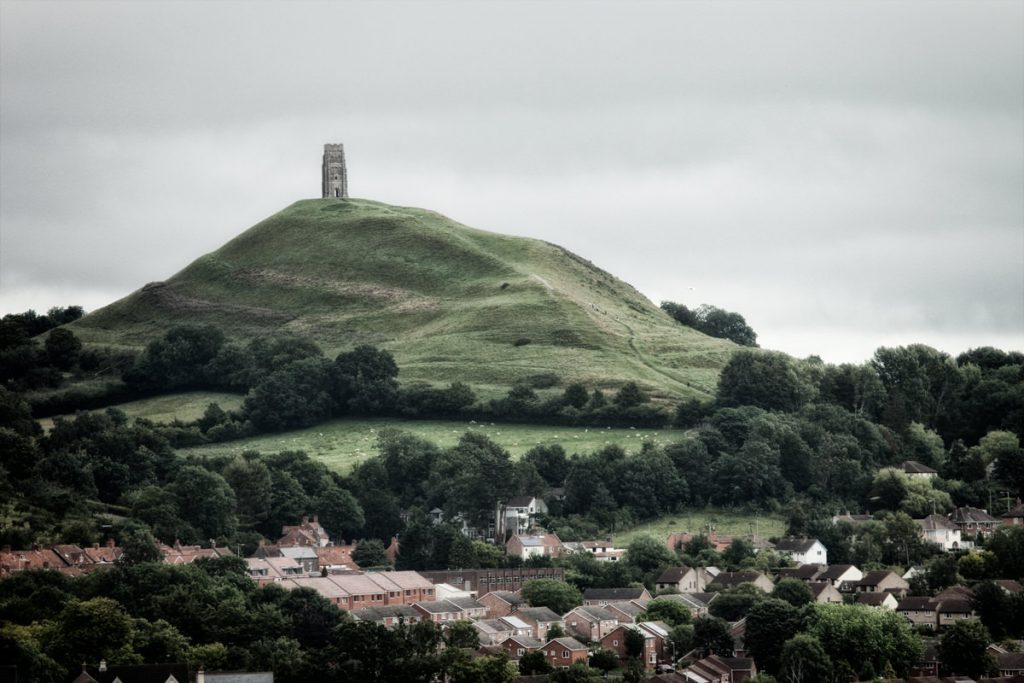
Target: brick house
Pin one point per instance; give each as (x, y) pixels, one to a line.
(562, 653)
(589, 622)
(500, 603)
(541, 619)
(653, 650)
(307, 533)
(971, 522)
(539, 545)
(517, 646)
(625, 611)
(441, 611)
(493, 631)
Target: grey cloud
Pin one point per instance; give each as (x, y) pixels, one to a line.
(833, 166)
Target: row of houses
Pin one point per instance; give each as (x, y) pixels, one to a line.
(75, 560)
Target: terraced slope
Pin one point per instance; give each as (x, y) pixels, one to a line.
(451, 302)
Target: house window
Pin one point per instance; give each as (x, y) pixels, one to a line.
(615, 642)
(565, 654)
(521, 652)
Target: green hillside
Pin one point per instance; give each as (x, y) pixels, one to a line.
(450, 302)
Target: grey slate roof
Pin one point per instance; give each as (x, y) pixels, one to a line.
(539, 614)
(613, 593)
(914, 467)
(795, 545)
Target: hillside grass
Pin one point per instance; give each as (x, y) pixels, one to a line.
(341, 444)
(724, 522)
(184, 406)
(450, 302)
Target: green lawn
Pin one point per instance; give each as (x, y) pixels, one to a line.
(186, 406)
(724, 522)
(343, 443)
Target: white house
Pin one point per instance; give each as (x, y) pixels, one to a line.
(519, 514)
(940, 531)
(916, 470)
(803, 550)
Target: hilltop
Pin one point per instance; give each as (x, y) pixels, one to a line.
(449, 301)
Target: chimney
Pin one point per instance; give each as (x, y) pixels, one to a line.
(95, 546)
(111, 543)
(103, 665)
(305, 521)
(316, 519)
(200, 676)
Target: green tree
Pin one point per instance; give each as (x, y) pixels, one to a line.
(469, 478)
(962, 649)
(370, 553)
(803, 660)
(178, 359)
(603, 659)
(766, 379)
(534, 663)
(629, 396)
(575, 395)
(462, 634)
(1007, 544)
(94, 629)
(992, 605)
(365, 380)
(62, 348)
(559, 596)
(137, 546)
(250, 480)
(339, 511)
(769, 625)
(671, 612)
(855, 634)
(296, 395)
(711, 636)
(206, 501)
(735, 603)
(681, 640)
(648, 554)
(634, 644)
(794, 591)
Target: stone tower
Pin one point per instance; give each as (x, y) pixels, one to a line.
(335, 183)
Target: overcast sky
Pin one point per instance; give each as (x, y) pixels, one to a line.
(846, 175)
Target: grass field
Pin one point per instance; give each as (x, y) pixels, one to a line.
(450, 302)
(185, 406)
(724, 522)
(340, 444)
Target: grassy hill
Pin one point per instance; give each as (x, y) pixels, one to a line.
(450, 302)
